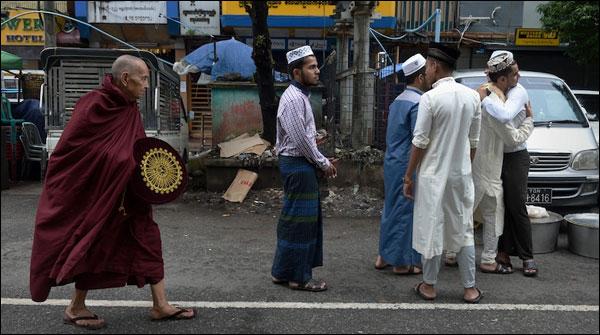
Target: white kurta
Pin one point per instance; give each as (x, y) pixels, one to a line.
(487, 165)
(448, 125)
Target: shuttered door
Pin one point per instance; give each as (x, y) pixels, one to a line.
(201, 128)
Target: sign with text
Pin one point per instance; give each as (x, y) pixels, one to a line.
(199, 17)
(536, 37)
(25, 30)
(304, 8)
(133, 12)
(276, 43)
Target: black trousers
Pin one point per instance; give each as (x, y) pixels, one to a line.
(516, 237)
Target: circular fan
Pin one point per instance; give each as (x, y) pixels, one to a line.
(160, 175)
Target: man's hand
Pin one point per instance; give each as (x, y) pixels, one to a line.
(482, 90)
(528, 110)
(331, 171)
(322, 136)
(408, 188)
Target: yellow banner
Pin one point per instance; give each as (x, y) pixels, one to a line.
(536, 37)
(25, 30)
(302, 8)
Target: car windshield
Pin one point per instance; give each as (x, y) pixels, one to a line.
(550, 99)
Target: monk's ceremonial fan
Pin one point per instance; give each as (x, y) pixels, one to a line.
(160, 175)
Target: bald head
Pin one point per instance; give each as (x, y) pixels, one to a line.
(130, 74)
(126, 63)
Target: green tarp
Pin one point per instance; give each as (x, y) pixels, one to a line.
(11, 62)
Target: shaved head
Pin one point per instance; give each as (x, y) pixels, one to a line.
(131, 75)
(126, 63)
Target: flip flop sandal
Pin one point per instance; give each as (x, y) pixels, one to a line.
(311, 286)
(530, 268)
(178, 315)
(381, 267)
(277, 281)
(93, 326)
(421, 294)
(477, 299)
(412, 270)
(502, 269)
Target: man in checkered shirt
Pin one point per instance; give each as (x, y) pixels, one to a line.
(300, 227)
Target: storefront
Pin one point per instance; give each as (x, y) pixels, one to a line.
(297, 23)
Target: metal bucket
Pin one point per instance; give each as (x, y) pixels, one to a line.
(583, 234)
(544, 232)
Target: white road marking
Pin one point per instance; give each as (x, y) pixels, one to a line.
(314, 305)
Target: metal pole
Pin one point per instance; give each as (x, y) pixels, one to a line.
(437, 24)
(49, 36)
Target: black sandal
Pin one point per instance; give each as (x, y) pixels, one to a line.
(311, 286)
(501, 268)
(530, 268)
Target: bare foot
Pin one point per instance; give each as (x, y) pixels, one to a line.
(407, 270)
(472, 295)
(89, 320)
(488, 267)
(380, 264)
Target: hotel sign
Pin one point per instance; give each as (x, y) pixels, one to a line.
(536, 37)
(26, 30)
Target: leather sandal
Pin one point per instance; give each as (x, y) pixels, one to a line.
(311, 286)
(530, 268)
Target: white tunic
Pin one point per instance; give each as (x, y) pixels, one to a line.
(448, 125)
(487, 165)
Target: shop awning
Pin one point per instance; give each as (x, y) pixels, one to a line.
(11, 62)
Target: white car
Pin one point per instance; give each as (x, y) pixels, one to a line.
(563, 149)
(589, 101)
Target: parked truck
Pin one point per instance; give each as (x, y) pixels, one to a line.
(70, 73)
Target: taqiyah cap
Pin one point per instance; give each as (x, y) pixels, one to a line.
(413, 64)
(298, 53)
(500, 60)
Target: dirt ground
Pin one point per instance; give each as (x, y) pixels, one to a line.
(336, 201)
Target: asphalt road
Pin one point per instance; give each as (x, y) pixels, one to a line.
(220, 263)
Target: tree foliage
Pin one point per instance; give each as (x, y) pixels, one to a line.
(577, 24)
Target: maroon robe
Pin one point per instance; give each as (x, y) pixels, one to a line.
(80, 234)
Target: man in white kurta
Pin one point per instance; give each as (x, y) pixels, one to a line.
(445, 137)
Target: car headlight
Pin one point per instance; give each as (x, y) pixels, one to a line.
(586, 160)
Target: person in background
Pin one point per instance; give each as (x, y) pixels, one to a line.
(445, 139)
(395, 239)
(300, 227)
(487, 165)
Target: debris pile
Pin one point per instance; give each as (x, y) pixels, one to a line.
(352, 201)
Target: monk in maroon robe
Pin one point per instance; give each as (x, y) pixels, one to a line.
(89, 230)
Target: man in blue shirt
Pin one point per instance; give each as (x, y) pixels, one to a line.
(395, 241)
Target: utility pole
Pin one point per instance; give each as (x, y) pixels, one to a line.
(343, 29)
(50, 35)
(364, 81)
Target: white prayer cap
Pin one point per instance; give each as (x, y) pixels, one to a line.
(498, 52)
(500, 60)
(413, 64)
(298, 53)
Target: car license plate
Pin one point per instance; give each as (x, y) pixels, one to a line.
(539, 196)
